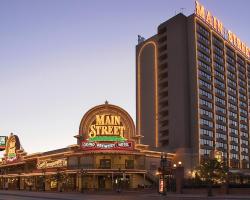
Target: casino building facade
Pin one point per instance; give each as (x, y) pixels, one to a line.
(108, 155)
(193, 90)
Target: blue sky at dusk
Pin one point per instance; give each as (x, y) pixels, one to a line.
(59, 58)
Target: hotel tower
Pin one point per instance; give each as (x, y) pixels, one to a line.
(193, 90)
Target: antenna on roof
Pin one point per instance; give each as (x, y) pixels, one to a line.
(182, 10)
(140, 39)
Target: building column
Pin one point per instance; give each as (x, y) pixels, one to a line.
(112, 180)
(144, 179)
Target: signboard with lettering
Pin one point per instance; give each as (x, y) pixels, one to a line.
(106, 128)
(3, 142)
(12, 146)
(217, 25)
(45, 164)
(161, 185)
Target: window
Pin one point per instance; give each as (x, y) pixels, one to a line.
(244, 157)
(244, 142)
(229, 81)
(205, 103)
(241, 74)
(243, 126)
(221, 136)
(232, 106)
(218, 66)
(206, 132)
(244, 150)
(218, 50)
(205, 84)
(243, 104)
(234, 123)
(202, 30)
(204, 74)
(205, 151)
(206, 142)
(105, 163)
(220, 92)
(241, 89)
(234, 131)
(234, 147)
(205, 112)
(231, 67)
(219, 100)
(244, 134)
(242, 96)
(206, 94)
(221, 127)
(243, 111)
(232, 114)
(234, 156)
(232, 90)
(206, 123)
(203, 65)
(219, 58)
(222, 110)
(203, 47)
(219, 74)
(232, 98)
(234, 139)
(129, 164)
(218, 41)
(204, 56)
(202, 38)
(231, 75)
(230, 59)
(221, 118)
(219, 83)
(220, 145)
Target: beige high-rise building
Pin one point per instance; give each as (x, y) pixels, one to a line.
(193, 90)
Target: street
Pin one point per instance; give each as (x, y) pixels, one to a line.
(128, 195)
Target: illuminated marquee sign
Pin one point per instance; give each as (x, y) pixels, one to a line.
(106, 132)
(12, 146)
(45, 164)
(107, 128)
(217, 25)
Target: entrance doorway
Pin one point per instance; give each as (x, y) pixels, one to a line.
(101, 182)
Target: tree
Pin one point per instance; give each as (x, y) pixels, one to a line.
(212, 171)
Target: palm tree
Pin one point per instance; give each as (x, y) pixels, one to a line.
(213, 171)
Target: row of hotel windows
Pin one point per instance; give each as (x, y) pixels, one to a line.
(222, 110)
(218, 117)
(223, 119)
(232, 147)
(221, 135)
(224, 154)
(205, 35)
(221, 68)
(231, 67)
(223, 102)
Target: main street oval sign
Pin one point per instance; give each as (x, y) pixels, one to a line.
(106, 127)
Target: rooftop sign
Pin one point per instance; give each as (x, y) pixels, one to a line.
(12, 146)
(217, 25)
(106, 127)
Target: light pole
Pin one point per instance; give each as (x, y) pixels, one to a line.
(162, 173)
(83, 173)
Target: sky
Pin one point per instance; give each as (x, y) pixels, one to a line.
(59, 58)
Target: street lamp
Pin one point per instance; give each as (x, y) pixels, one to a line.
(162, 169)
